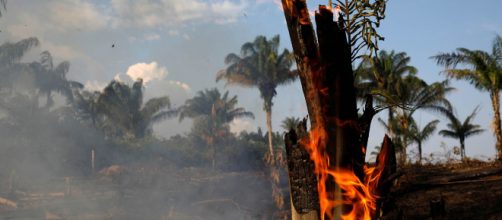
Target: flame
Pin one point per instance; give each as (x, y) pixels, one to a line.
(357, 194)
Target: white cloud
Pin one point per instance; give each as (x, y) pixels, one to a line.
(147, 72)
(164, 13)
(182, 85)
(154, 77)
(69, 16)
(56, 17)
(76, 14)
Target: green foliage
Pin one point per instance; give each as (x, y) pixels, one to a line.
(360, 19)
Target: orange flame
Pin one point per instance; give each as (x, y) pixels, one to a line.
(360, 195)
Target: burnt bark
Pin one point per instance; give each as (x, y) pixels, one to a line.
(302, 179)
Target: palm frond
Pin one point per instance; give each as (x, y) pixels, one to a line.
(474, 132)
(448, 133)
(160, 116)
(11, 53)
(154, 105)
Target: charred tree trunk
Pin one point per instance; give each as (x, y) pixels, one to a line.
(323, 59)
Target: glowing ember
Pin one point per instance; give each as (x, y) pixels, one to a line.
(359, 195)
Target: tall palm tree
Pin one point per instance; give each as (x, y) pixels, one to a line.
(461, 130)
(260, 65)
(419, 135)
(484, 71)
(125, 113)
(290, 123)
(212, 112)
(52, 78)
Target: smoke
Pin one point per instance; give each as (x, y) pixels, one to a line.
(45, 152)
(49, 170)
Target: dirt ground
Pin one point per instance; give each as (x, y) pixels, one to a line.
(471, 190)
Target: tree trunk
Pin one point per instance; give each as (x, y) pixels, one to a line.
(213, 159)
(269, 130)
(462, 149)
(419, 152)
(389, 123)
(495, 98)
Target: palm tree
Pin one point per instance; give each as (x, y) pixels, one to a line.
(11, 53)
(484, 71)
(10, 56)
(290, 123)
(210, 102)
(86, 106)
(390, 77)
(383, 73)
(50, 78)
(212, 112)
(260, 65)
(418, 135)
(461, 130)
(418, 95)
(125, 113)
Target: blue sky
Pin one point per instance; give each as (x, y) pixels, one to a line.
(181, 44)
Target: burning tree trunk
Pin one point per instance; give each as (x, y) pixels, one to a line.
(332, 155)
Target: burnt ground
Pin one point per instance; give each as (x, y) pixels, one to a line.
(132, 193)
(472, 190)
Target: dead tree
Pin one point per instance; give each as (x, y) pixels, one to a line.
(324, 64)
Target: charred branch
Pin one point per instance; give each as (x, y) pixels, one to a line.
(302, 180)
